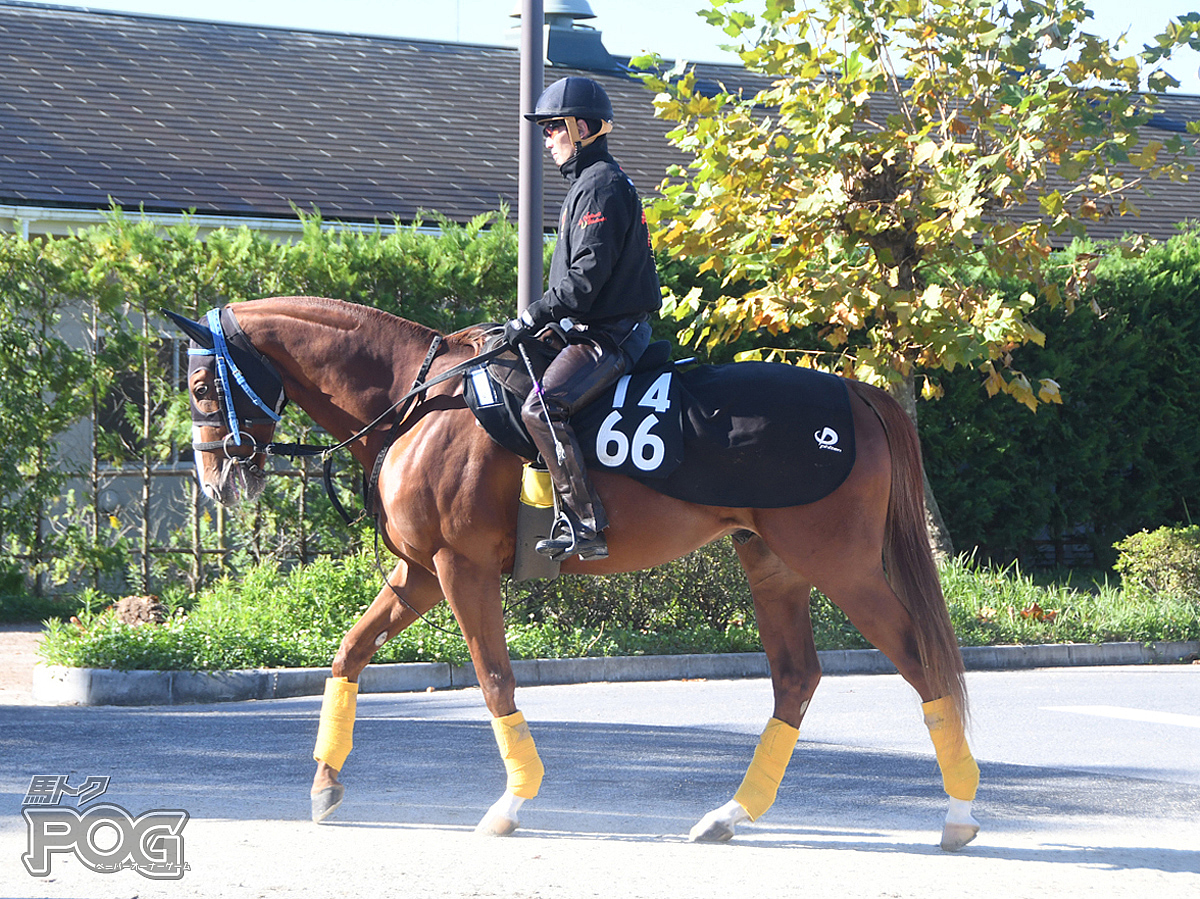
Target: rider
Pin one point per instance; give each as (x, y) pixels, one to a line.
(603, 281)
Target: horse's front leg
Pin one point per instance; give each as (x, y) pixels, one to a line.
(387, 616)
(473, 591)
(781, 607)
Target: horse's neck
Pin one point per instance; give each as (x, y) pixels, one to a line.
(342, 364)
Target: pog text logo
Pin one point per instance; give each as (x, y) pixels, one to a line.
(104, 837)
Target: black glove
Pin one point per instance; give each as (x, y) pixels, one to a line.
(518, 329)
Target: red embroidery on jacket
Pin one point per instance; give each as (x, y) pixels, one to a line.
(591, 218)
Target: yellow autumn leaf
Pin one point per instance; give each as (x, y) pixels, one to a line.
(1050, 392)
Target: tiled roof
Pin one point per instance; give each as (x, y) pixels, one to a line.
(235, 120)
(175, 114)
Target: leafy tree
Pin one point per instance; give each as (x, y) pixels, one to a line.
(41, 393)
(893, 142)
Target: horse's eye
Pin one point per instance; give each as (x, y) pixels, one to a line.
(201, 391)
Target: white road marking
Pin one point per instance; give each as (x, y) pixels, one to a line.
(1112, 711)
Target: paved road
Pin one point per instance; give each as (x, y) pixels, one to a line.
(1091, 786)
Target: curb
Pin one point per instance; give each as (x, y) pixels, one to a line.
(59, 685)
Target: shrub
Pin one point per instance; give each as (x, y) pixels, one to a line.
(1166, 560)
(18, 605)
(268, 618)
(705, 588)
(1121, 454)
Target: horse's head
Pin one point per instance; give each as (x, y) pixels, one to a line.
(236, 397)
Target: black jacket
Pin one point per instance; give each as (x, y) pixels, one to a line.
(603, 267)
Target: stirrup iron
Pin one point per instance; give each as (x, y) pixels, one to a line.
(565, 541)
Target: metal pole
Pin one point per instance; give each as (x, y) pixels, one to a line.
(147, 424)
(529, 189)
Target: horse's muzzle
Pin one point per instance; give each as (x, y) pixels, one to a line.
(237, 480)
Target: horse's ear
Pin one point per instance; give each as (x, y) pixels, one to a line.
(196, 331)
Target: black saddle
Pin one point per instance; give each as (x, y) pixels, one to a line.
(747, 434)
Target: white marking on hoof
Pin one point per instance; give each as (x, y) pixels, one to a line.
(960, 827)
(326, 802)
(718, 825)
(501, 819)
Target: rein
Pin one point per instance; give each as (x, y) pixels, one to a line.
(326, 451)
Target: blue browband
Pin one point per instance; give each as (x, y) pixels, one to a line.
(225, 367)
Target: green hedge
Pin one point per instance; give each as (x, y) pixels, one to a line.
(447, 276)
(270, 618)
(1122, 453)
(111, 278)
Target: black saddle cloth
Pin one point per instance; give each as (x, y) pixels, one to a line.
(749, 434)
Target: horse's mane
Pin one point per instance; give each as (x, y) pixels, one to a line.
(358, 313)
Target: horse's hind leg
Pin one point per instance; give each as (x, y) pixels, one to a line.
(873, 607)
(387, 616)
(781, 607)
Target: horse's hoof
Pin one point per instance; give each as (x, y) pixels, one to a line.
(501, 818)
(496, 826)
(710, 832)
(325, 802)
(717, 826)
(955, 836)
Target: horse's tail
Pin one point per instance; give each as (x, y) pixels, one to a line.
(907, 555)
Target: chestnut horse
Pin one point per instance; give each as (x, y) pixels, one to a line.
(446, 502)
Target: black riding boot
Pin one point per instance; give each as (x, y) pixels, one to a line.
(577, 376)
(581, 517)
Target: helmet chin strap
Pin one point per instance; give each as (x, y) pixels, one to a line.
(572, 123)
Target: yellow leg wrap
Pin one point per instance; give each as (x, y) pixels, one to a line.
(761, 783)
(336, 731)
(520, 756)
(960, 774)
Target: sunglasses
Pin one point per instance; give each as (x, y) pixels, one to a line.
(552, 128)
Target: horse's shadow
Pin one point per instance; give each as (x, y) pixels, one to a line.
(603, 781)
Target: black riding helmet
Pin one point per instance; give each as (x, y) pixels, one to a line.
(581, 98)
(571, 99)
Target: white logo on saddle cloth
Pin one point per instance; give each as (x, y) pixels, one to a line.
(827, 439)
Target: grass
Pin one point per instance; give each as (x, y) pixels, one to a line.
(274, 619)
(993, 606)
